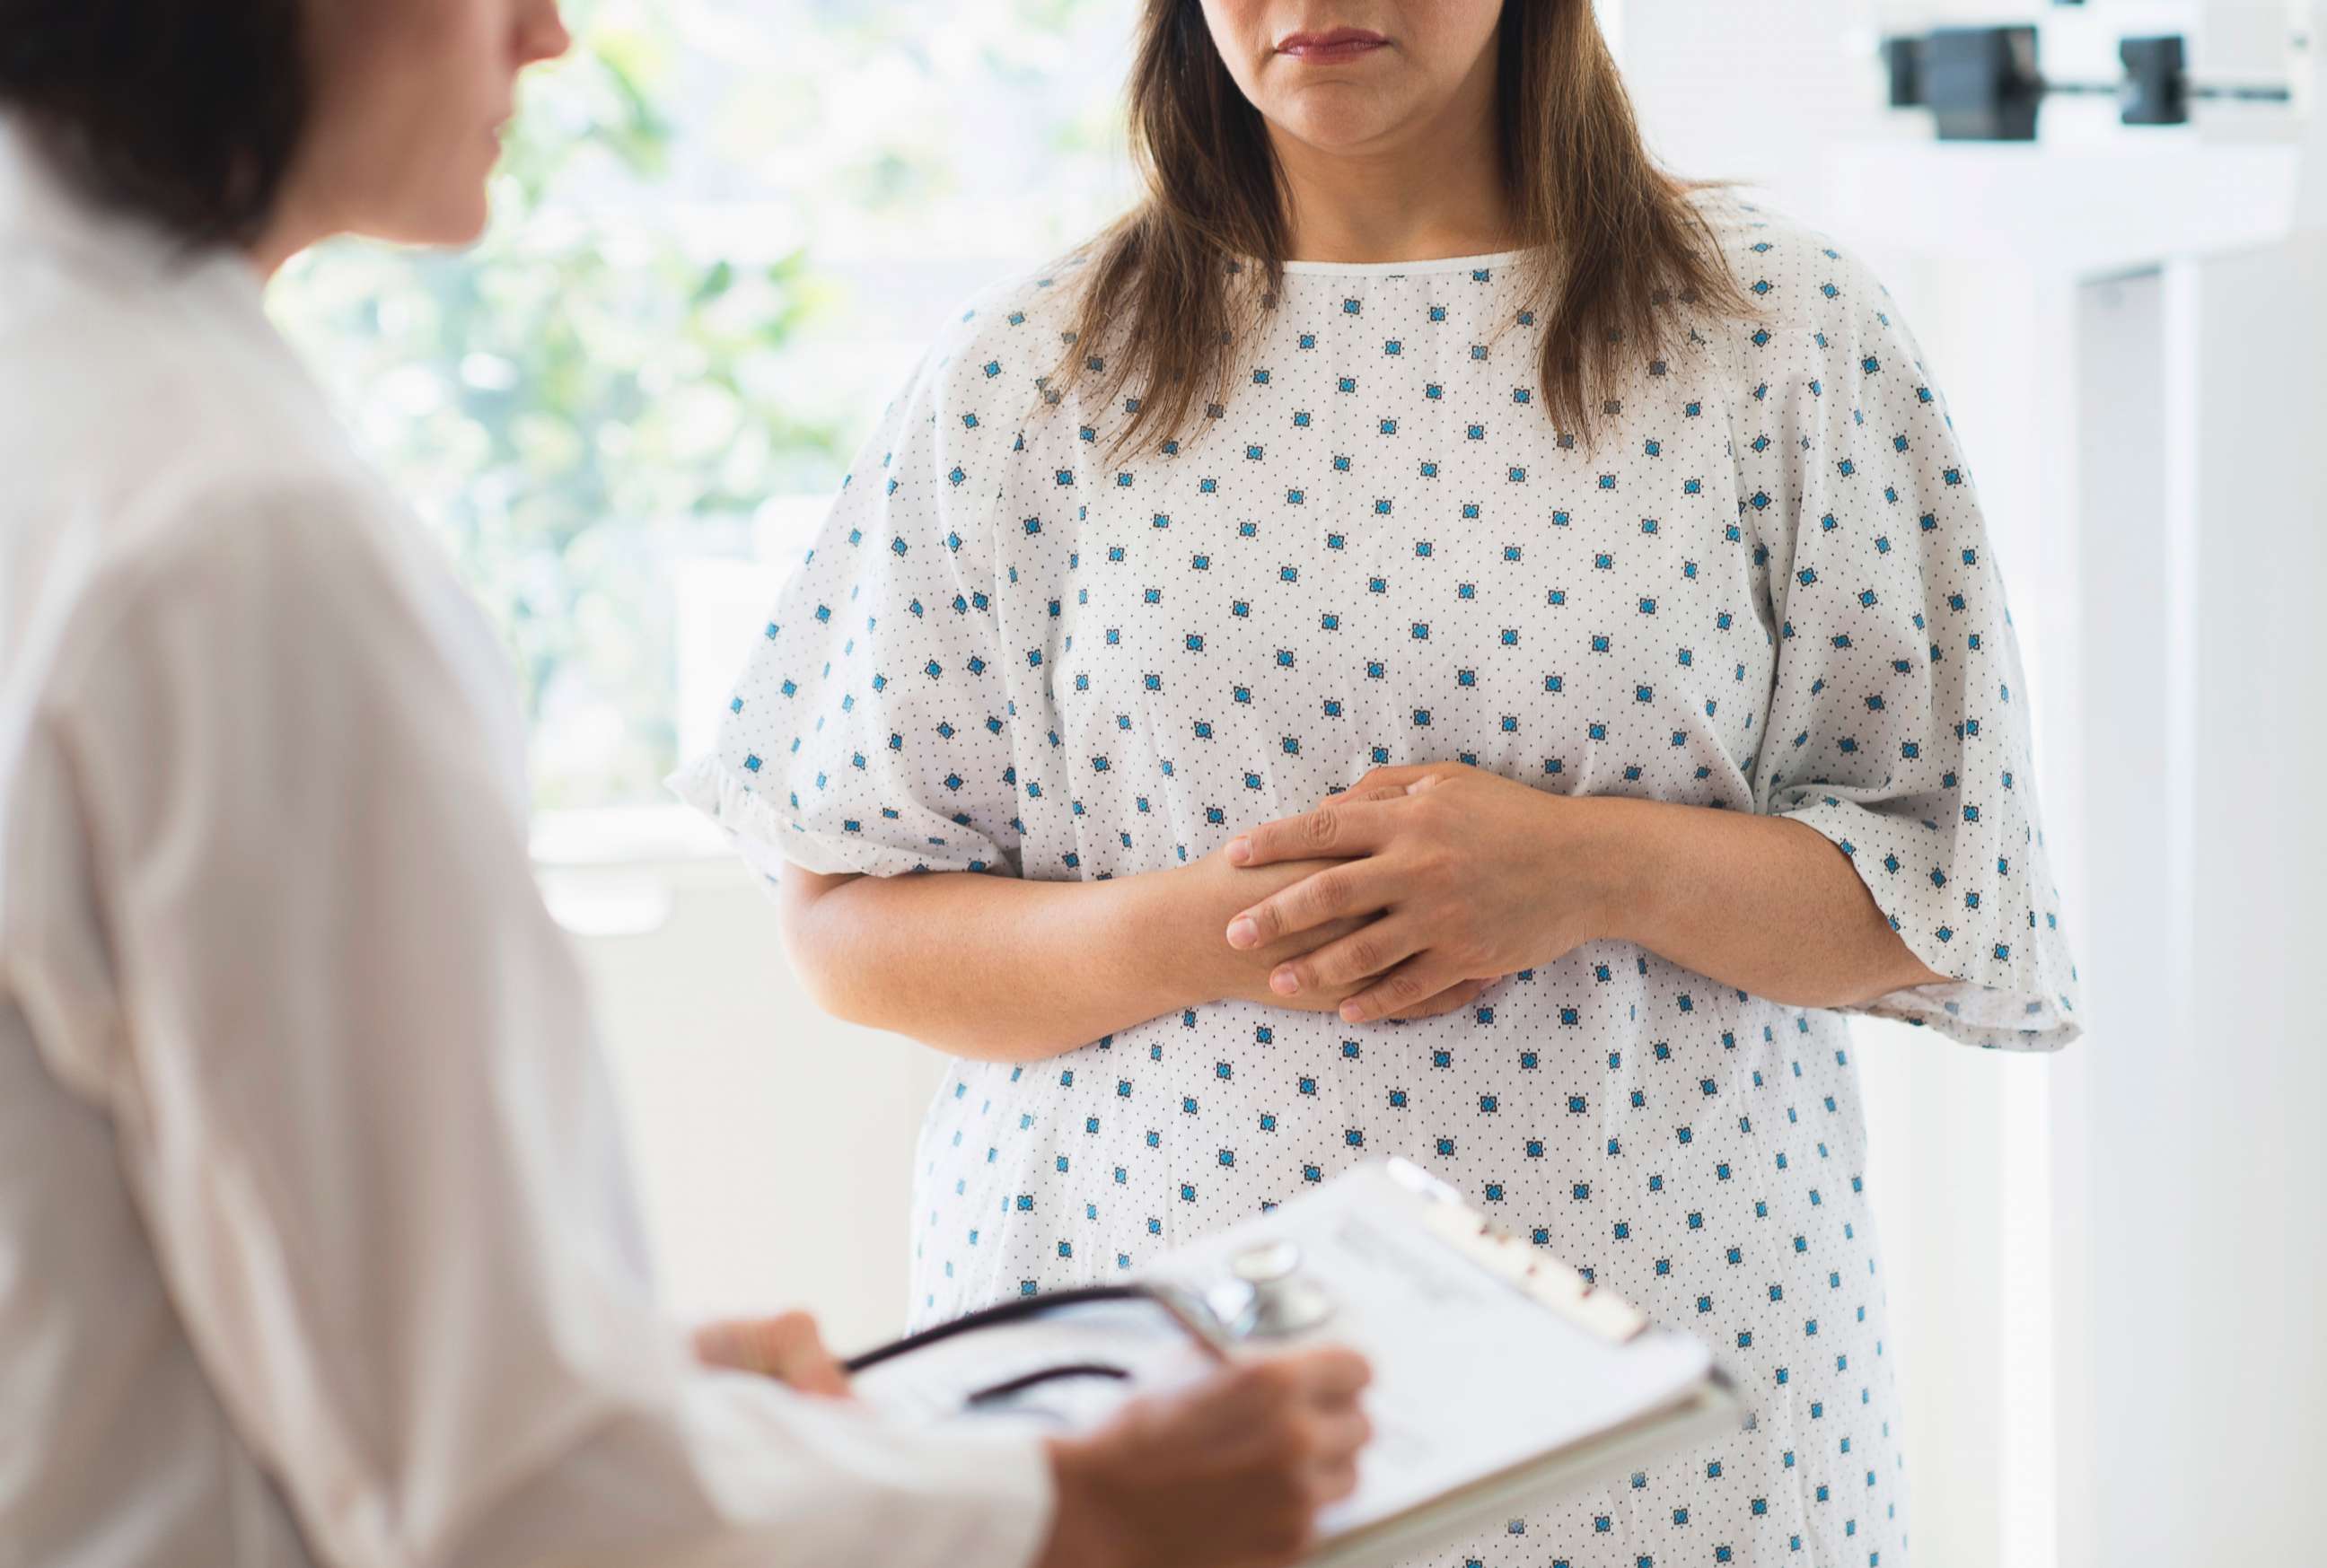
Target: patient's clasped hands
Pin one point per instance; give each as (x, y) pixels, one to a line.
(1411, 892)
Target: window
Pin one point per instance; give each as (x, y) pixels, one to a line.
(723, 235)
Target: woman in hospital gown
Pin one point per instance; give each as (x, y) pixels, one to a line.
(1766, 586)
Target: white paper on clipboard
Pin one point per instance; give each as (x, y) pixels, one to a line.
(1500, 1378)
(1503, 1380)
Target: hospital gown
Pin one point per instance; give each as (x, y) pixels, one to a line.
(1763, 585)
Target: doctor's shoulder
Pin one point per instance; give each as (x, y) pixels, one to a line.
(207, 474)
(140, 452)
(131, 408)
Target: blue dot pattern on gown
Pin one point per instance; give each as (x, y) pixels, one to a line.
(1766, 588)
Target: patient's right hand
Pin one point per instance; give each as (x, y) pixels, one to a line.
(1228, 1474)
(1222, 890)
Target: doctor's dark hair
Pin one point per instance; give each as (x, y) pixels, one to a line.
(187, 112)
(1174, 285)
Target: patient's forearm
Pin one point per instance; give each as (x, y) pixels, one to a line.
(997, 968)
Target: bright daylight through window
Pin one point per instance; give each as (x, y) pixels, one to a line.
(723, 235)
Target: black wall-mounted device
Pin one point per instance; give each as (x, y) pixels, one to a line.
(1983, 84)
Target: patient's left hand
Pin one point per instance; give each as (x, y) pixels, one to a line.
(787, 1347)
(1473, 876)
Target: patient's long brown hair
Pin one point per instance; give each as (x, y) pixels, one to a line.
(1176, 284)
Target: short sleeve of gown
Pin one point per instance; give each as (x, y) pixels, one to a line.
(869, 729)
(1899, 724)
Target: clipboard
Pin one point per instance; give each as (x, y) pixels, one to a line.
(1503, 1379)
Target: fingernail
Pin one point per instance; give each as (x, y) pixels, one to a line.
(1284, 982)
(1239, 851)
(1242, 932)
(1352, 1013)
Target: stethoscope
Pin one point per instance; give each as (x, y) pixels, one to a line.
(1263, 1295)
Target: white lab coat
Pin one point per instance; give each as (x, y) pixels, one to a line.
(316, 1242)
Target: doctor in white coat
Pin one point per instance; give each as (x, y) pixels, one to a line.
(316, 1245)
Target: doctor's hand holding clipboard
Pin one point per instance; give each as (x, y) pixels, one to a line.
(1249, 1455)
(1498, 1378)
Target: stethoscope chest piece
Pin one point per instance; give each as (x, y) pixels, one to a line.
(1266, 1296)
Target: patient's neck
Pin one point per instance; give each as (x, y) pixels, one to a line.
(1434, 190)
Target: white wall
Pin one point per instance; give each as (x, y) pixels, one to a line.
(2191, 1176)
(773, 1145)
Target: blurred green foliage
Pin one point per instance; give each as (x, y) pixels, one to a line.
(574, 403)
(613, 381)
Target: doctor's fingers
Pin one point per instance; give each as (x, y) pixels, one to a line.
(787, 1348)
(1328, 1376)
(1299, 1455)
(1339, 1436)
(1289, 1410)
(1334, 1482)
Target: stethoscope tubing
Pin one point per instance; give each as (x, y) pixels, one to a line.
(1015, 1309)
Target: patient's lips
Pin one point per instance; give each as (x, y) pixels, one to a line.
(1339, 44)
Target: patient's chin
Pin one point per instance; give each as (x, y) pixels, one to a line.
(1340, 116)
